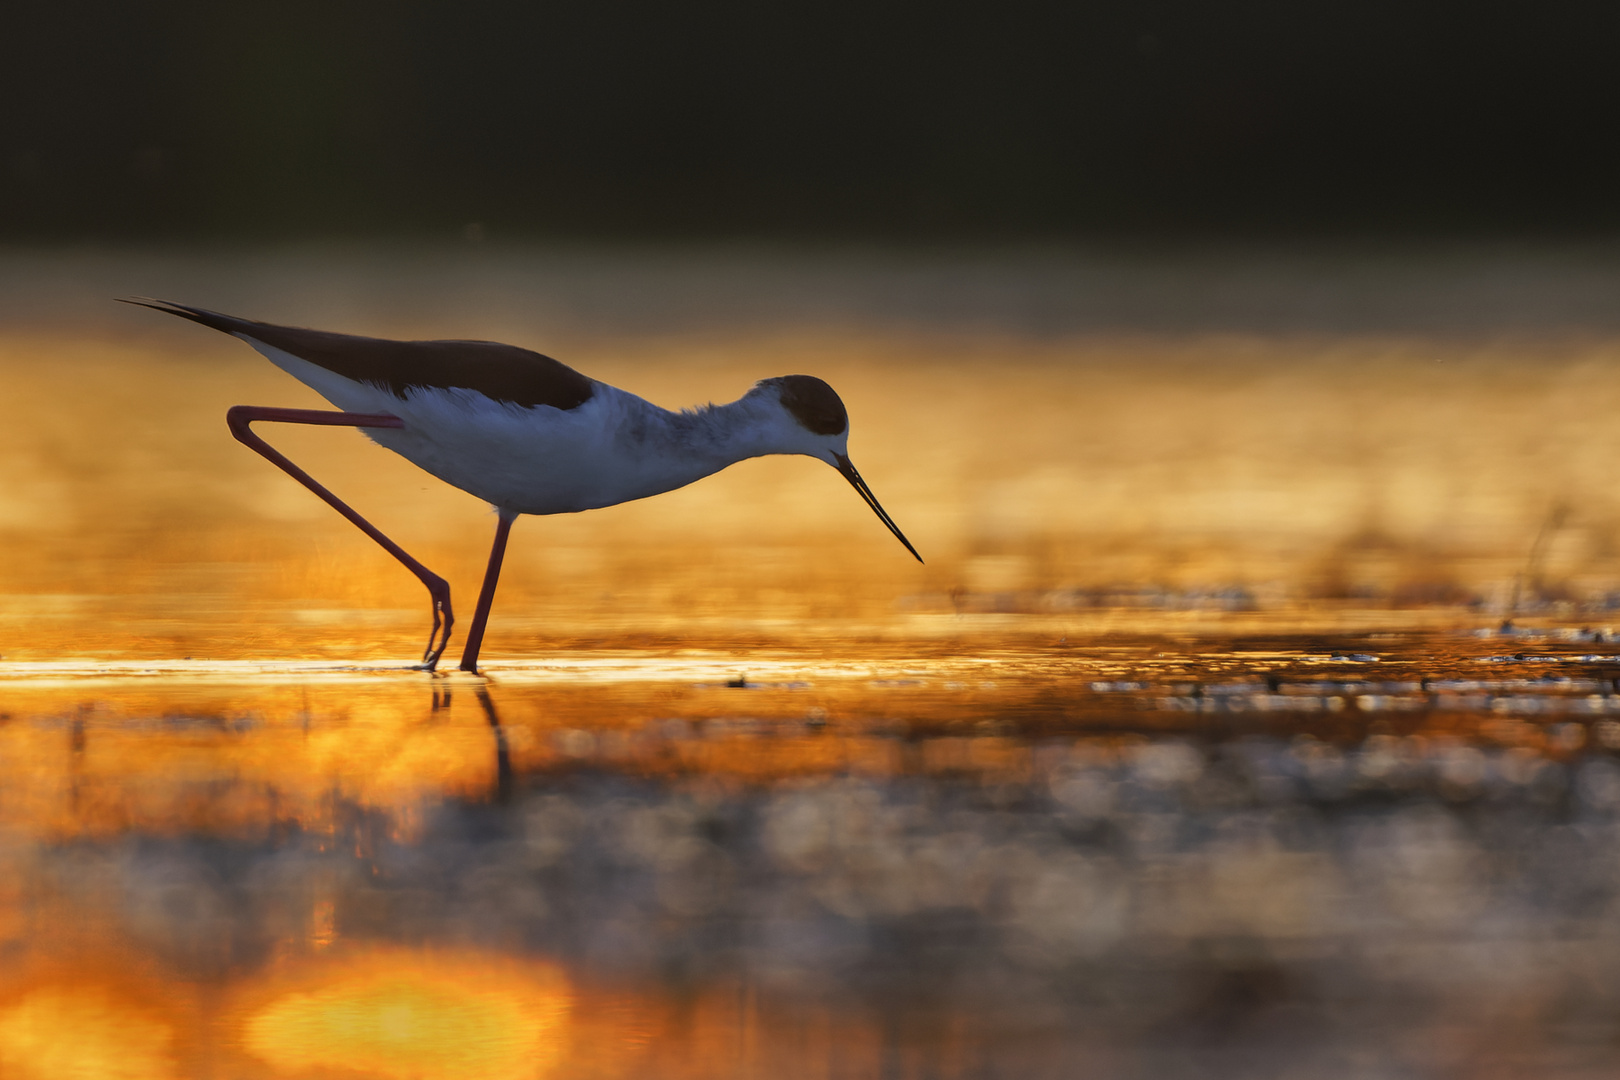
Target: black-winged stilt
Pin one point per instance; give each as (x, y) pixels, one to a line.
(525, 433)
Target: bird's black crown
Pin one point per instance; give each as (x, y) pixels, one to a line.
(814, 404)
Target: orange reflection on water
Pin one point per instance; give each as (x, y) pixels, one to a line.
(98, 759)
(399, 1013)
(83, 1033)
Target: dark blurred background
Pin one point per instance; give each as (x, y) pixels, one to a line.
(836, 119)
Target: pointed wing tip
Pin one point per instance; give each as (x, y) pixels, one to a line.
(168, 307)
(212, 319)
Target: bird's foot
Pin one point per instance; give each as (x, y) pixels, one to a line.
(439, 636)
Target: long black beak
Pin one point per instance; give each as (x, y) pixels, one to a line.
(854, 478)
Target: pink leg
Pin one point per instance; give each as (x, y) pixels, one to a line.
(486, 595)
(240, 416)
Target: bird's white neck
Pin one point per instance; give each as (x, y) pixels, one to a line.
(714, 436)
(652, 450)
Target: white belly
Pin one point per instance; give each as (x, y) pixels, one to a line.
(536, 460)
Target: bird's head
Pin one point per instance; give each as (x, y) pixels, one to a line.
(813, 421)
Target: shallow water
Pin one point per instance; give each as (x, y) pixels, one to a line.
(1198, 748)
(1295, 856)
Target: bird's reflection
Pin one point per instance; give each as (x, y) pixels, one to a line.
(440, 703)
(503, 755)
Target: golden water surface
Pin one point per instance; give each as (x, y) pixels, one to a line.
(1197, 740)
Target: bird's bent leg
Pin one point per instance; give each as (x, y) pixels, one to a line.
(486, 595)
(240, 416)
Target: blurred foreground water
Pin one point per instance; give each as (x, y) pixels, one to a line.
(1372, 856)
(1199, 747)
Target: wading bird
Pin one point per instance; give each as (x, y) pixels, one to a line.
(523, 432)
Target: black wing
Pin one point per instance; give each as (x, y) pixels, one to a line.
(501, 372)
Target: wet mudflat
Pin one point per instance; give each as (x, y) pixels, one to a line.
(1384, 854)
